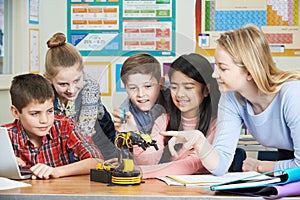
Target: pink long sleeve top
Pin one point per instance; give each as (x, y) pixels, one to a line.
(189, 163)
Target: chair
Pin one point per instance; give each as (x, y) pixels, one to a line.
(267, 155)
(237, 163)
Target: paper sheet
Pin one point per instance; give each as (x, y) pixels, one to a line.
(6, 184)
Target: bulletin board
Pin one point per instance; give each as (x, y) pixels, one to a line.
(122, 27)
(34, 50)
(279, 20)
(119, 84)
(34, 14)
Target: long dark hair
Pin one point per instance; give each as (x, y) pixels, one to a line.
(199, 69)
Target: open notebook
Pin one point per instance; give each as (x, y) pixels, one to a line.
(9, 167)
(206, 179)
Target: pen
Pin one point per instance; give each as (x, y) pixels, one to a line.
(123, 118)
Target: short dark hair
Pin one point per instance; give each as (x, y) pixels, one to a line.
(26, 88)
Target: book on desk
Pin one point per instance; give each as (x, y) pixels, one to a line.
(287, 183)
(205, 179)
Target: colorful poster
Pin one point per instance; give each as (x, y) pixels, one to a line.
(89, 17)
(34, 11)
(147, 35)
(147, 8)
(107, 28)
(34, 50)
(94, 42)
(278, 19)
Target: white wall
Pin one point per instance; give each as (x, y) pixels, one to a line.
(53, 18)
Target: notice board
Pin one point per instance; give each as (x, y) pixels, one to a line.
(122, 27)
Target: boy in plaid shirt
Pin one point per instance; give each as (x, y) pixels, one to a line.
(41, 141)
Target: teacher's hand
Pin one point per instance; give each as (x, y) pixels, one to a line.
(190, 139)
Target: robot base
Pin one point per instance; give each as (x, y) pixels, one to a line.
(116, 178)
(126, 178)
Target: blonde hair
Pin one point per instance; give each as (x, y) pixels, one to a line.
(61, 54)
(250, 49)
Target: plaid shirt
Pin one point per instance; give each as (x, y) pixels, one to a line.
(56, 145)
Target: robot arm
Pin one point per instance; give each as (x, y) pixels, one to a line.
(125, 141)
(134, 138)
(125, 173)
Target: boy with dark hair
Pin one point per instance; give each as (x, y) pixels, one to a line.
(41, 141)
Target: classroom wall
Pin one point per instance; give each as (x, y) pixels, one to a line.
(53, 18)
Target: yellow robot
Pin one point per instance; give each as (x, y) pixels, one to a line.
(125, 173)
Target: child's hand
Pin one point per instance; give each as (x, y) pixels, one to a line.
(43, 171)
(113, 162)
(20, 162)
(130, 124)
(117, 116)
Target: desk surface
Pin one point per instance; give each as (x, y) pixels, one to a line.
(80, 187)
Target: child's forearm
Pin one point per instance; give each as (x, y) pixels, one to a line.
(78, 168)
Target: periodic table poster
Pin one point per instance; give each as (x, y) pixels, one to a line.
(279, 20)
(122, 27)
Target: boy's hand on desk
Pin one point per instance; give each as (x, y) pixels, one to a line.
(130, 124)
(113, 162)
(42, 171)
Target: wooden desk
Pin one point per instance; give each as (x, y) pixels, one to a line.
(80, 187)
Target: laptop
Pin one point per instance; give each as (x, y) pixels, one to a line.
(8, 163)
